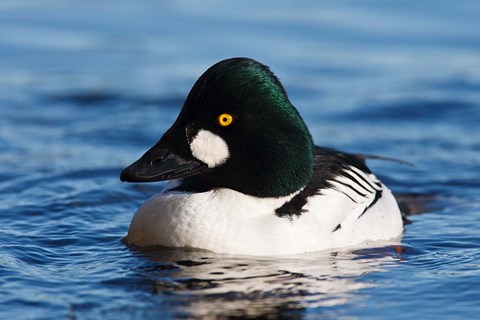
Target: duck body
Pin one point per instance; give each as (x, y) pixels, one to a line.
(247, 179)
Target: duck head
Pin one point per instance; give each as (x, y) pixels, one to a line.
(237, 129)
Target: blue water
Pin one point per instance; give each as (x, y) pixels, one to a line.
(87, 86)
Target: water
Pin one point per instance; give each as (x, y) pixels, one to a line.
(86, 87)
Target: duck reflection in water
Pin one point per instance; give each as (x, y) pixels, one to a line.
(223, 286)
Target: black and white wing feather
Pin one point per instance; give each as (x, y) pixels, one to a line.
(345, 173)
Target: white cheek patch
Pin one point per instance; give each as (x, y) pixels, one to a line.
(209, 148)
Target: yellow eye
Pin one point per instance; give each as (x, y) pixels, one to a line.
(225, 119)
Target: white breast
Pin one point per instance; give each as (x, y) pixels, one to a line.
(226, 221)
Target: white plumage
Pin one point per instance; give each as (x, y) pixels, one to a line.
(227, 221)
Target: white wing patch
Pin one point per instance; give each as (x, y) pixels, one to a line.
(356, 184)
(362, 188)
(209, 148)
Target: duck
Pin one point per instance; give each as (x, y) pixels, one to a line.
(245, 177)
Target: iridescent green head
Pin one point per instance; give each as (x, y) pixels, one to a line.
(237, 130)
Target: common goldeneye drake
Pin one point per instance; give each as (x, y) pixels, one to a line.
(248, 179)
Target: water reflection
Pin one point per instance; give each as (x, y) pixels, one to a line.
(202, 284)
